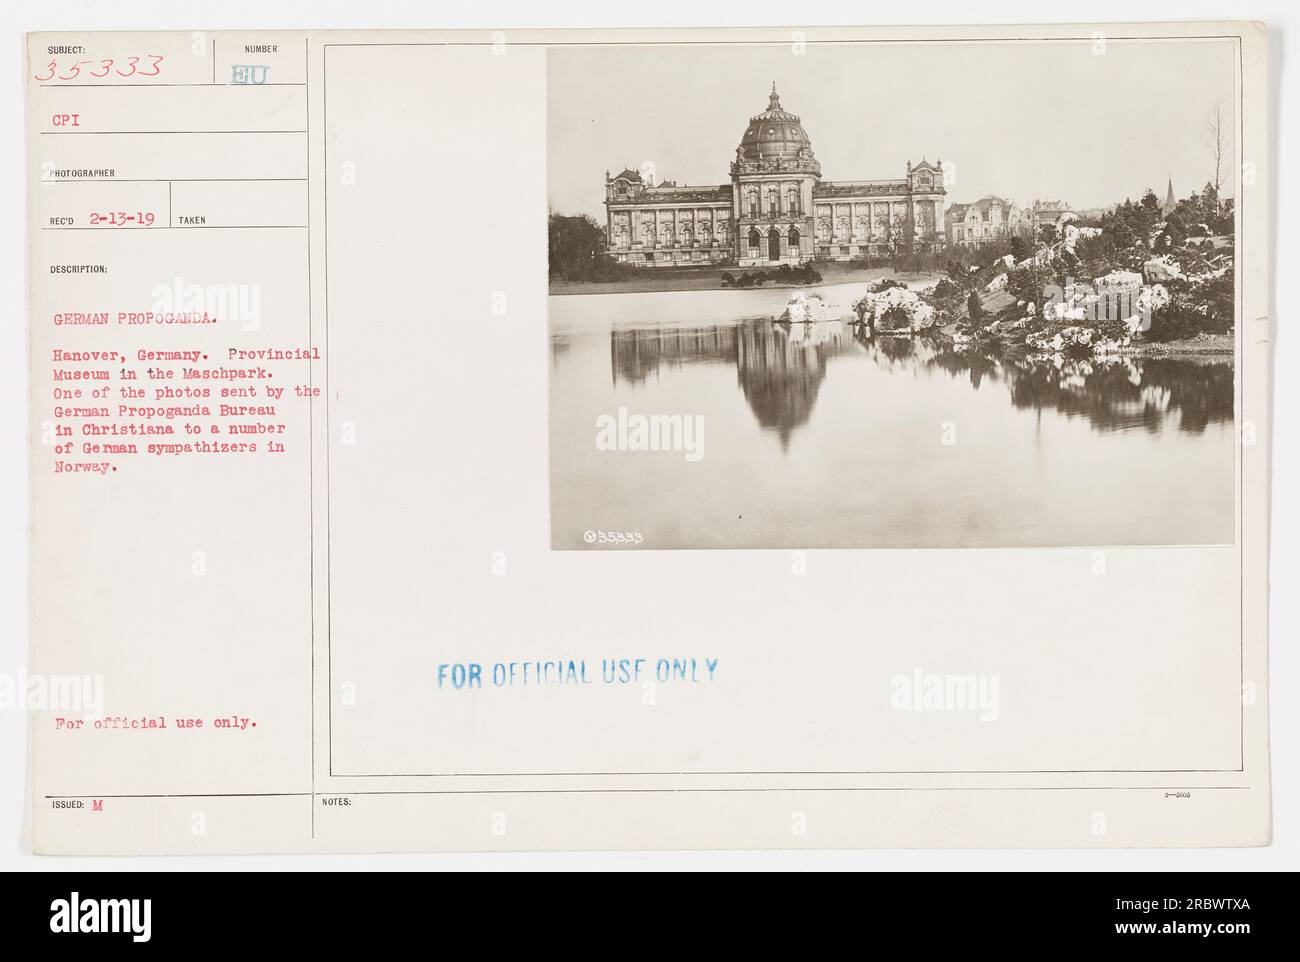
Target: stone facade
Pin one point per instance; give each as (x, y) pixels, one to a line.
(1048, 212)
(776, 209)
(987, 219)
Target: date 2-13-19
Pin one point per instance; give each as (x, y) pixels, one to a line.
(120, 218)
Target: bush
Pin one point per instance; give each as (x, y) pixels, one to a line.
(945, 290)
(576, 251)
(1195, 308)
(785, 274)
(1025, 282)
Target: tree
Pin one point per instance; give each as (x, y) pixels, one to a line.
(973, 308)
(1216, 137)
(1210, 201)
(1175, 232)
(576, 248)
(1227, 223)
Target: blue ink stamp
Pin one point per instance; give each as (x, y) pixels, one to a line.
(249, 73)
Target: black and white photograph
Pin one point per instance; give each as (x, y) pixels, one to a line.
(760, 438)
(893, 294)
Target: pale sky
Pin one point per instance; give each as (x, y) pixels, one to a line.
(1020, 120)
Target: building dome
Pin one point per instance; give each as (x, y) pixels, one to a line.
(775, 134)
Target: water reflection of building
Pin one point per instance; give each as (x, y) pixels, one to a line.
(779, 368)
(638, 354)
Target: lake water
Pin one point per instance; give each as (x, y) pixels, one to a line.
(817, 436)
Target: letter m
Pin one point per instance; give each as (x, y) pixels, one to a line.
(96, 804)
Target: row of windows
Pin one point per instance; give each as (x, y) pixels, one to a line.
(772, 202)
(961, 232)
(669, 239)
(773, 209)
(756, 239)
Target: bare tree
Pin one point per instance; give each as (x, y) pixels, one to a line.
(1216, 138)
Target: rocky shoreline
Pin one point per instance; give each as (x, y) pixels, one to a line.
(1133, 287)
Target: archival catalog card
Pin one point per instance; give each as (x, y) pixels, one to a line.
(757, 438)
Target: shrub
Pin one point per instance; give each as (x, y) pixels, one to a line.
(576, 251)
(784, 274)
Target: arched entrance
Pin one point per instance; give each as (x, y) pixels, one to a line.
(774, 245)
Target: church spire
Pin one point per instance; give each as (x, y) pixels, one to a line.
(1170, 203)
(773, 99)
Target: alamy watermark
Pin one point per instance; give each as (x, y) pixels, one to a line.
(241, 303)
(70, 693)
(922, 691)
(1125, 299)
(651, 432)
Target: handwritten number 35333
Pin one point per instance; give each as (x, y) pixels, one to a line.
(131, 68)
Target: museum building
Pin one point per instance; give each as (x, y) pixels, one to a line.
(776, 209)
